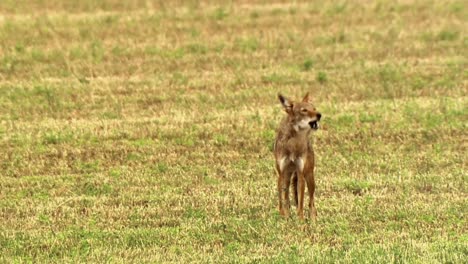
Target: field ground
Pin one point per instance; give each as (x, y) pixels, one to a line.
(143, 132)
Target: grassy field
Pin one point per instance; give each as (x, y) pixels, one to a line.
(143, 132)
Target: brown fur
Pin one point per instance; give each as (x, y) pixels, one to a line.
(294, 155)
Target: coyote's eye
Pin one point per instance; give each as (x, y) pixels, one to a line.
(303, 110)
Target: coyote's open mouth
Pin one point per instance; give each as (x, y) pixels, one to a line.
(314, 125)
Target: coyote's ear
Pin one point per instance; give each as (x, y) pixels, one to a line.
(287, 104)
(306, 98)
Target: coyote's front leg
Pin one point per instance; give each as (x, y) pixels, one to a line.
(284, 180)
(300, 186)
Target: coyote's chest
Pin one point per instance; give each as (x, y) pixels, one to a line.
(294, 151)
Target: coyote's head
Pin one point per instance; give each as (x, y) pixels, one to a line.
(303, 115)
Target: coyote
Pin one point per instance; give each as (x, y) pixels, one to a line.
(294, 154)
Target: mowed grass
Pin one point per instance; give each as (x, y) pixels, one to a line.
(143, 132)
